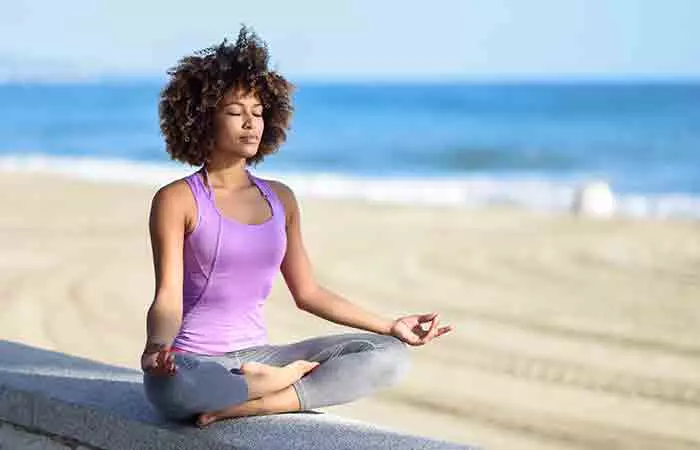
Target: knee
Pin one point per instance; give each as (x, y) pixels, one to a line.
(390, 361)
(161, 395)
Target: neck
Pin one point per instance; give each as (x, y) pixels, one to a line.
(228, 175)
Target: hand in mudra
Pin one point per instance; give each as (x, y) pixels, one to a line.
(410, 329)
(159, 363)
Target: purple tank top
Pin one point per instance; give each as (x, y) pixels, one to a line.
(229, 268)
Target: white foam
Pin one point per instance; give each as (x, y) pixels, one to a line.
(594, 199)
(533, 192)
(102, 170)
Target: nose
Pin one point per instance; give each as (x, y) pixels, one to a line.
(248, 123)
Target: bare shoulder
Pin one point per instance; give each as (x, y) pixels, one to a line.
(286, 196)
(175, 199)
(284, 192)
(173, 194)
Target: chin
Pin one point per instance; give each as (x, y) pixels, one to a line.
(248, 155)
(244, 152)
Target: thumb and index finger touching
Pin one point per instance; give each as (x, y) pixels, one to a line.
(163, 364)
(434, 330)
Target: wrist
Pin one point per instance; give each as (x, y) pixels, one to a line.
(154, 347)
(387, 328)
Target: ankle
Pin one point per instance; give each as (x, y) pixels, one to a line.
(282, 401)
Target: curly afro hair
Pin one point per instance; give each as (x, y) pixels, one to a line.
(197, 84)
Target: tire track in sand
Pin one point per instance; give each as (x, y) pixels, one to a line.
(571, 432)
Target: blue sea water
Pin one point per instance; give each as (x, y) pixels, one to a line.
(488, 141)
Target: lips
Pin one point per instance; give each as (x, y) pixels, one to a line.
(249, 139)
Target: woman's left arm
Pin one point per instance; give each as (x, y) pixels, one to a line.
(311, 297)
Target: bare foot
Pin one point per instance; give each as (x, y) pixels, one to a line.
(263, 379)
(205, 419)
(278, 402)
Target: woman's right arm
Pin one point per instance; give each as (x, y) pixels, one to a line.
(167, 225)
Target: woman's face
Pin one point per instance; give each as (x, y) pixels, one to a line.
(238, 124)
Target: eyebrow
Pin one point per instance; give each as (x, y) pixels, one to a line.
(239, 104)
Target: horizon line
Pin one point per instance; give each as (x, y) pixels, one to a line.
(382, 80)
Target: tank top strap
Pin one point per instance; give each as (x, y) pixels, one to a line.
(270, 195)
(197, 185)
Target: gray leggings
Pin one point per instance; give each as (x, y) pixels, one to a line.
(352, 366)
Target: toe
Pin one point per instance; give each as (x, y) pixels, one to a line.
(252, 368)
(205, 419)
(305, 366)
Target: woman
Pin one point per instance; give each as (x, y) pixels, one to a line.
(220, 235)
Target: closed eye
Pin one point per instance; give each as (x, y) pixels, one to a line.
(238, 114)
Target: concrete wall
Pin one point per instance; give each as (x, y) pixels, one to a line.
(50, 400)
(15, 437)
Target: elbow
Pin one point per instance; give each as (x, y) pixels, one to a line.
(302, 306)
(304, 299)
(301, 303)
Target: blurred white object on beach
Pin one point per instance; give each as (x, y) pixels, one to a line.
(594, 199)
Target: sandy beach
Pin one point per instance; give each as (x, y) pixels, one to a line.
(570, 333)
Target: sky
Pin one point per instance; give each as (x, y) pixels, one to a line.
(361, 39)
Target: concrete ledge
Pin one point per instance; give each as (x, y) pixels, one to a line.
(86, 403)
(15, 437)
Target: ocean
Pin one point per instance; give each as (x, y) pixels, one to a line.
(470, 144)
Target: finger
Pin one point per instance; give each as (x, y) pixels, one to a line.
(432, 330)
(163, 359)
(444, 330)
(422, 332)
(413, 341)
(419, 331)
(171, 362)
(410, 339)
(155, 370)
(427, 317)
(160, 358)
